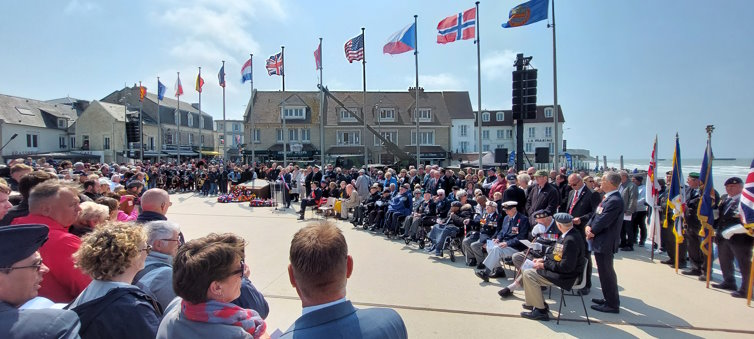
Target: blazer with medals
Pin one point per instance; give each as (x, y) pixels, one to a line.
(507, 235)
(606, 224)
(565, 271)
(584, 208)
(728, 214)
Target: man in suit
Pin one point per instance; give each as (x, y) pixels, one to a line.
(319, 269)
(560, 268)
(733, 245)
(630, 195)
(506, 241)
(21, 271)
(314, 196)
(603, 229)
(580, 204)
(542, 196)
(515, 193)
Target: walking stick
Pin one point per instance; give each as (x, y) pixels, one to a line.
(709, 256)
(751, 277)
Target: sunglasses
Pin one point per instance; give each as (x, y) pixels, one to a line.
(240, 270)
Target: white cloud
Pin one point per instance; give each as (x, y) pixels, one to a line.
(498, 65)
(437, 82)
(80, 7)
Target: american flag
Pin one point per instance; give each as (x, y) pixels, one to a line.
(355, 48)
(275, 64)
(747, 200)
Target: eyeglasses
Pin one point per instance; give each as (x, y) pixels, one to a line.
(239, 271)
(147, 249)
(176, 240)
(36, 265)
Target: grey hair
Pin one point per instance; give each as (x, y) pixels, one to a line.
(461, 194)
(613, 178)
(160, 229)
(46, 190)
(441, 192)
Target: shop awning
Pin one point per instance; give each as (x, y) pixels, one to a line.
(173, 152)
(428, 152)
(346, 151)
(210, 153)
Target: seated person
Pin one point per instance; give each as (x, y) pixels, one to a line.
(377, 215)
(442, 204)
(487, 225)
(505, 242)
(400, 206)
(416, 203)
(312, 200)
(458, 217)
(367, 206)
(156, 278)
(561, 268)
(92, 215)
(350, 202)
(425, 215)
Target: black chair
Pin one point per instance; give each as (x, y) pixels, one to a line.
(574, 291)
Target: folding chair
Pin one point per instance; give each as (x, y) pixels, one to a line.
(577, 285)
(328, 208)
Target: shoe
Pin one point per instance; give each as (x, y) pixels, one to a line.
(536, 314)
(598, 301)
(481, 266)
(725, 286)
(498, 273)
(668, 262)
(703, 277)
(605, 309)
(641, 244)
(738, 294)
(627, 249)
(301, 217)
(505, 292)
(528, 307)
(692, 271)
(680, 265)
(471, 262)
(584, 291)
(483, 274)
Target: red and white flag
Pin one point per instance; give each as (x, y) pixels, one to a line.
(318, 57)
(178, 87)
(653, 192)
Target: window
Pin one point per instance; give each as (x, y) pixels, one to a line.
(500, 116)
(61, 141)
(551, 151)
(177, 117)
(191, 138)
(168, 138)
(220, 127)
(85, 142)
(349, 138)
(485, 117)
(548, 112)
(532, 132)
(201, 139)
(151, 143)
(347, 117)
(509, 134)
(236, 127)
(257, 137)
(425, 115)
(73, 142)
(306, 135)
(463, 130)
(387, 114)
(106, 143)
(485, 135)
(486, 148)
(190, 121)
(201, 122)
(280, 134)
(464, 145)
(294, 113)
(500, 146)
(425, 137)
(528, 148)
(500, 134)
(389, 135)
(293, 134)
(62, 123)
(548, 132)
(24, 111)
(31, 140)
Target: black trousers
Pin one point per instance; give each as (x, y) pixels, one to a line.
(588, 269)
(738, 247)
(307, 202)
(668, 239)
(693, 240)
(608, 278)
(639, 222)
(627, 234)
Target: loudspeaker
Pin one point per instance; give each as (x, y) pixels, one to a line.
(501, 155)
(542, 155)
(133, 134)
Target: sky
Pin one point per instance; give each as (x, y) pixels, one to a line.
(627, 70)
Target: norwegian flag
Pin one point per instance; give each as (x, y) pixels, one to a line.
(457, 27)
(747, 201)
(275, 64)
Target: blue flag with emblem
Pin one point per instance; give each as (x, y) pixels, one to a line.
(161, 90)
(676, 194)
(705, 212)
(527, 13)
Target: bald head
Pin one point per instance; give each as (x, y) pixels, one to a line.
(155, 200)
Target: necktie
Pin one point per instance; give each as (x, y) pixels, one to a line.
(575, 200)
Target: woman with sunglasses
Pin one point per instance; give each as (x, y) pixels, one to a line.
(208, 275)
(111, 307)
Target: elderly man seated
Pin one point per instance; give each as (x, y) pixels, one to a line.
(561, 268)
(156, 278)
(458, 218)
(506, 241)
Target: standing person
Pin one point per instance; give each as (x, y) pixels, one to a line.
(21, 271)
(319, 270)
(666, 233)
(630, 196)
(639, 218)
(733, 245)
(156, 278)
(542, 196)
(515, 193)
(362, 184)
(154, 205)
(692, 226)
(604, 232)
(581, 204)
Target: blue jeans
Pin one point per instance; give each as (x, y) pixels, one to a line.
(213, 188)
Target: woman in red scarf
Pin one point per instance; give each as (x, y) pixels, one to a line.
(207, 274)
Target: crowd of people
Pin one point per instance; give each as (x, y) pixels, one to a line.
(89, 247)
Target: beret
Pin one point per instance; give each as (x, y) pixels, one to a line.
(694, 175)
(541, 214)
(511, 177)
(563, 218)
(733, 181)
(541, 173)
(18, 242)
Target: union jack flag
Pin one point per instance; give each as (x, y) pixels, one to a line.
(457, 27)
(355, 49)
(275, 64)
(747, 201)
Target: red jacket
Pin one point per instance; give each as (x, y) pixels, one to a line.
(64, 282)
(498, 186)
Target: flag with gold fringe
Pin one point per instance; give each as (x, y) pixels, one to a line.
(676, 194)
(706, 209)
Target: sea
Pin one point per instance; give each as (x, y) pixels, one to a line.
(721, 169)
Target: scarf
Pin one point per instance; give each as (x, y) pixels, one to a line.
(215, 312)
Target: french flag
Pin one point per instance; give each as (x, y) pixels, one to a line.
(246, 71)
(402, 41)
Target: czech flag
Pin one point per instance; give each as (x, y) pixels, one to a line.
(246, 71)
(402, 41)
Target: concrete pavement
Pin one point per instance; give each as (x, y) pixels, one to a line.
(441, 299)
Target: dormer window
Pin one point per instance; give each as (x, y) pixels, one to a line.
(425, 115)
(486, 117)
(500, 116)
(190, 120)
(387, 114)
(62, 123)
(294, 113)
(345, 116)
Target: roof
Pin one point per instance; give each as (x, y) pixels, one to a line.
(508, 117)
(459, 105)
(115, 110)
(36, 113)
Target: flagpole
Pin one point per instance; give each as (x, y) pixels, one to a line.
(141, 127)
(416, 99)
(556, 111)
(178, 122)
(321, 110)
(654, 218)
(200, 112)
(479, 87)
(751, 277)
(159, 124)
(285, 130)
(251, 113)
(364, 93)
(225, 126)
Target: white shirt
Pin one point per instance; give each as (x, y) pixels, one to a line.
(310, 309)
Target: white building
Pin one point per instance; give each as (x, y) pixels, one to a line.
(463, 131)
(499, 130)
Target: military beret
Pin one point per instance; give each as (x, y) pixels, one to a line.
(456, 204)
(541, 173)
(541, 214)
(510, 204)
(511, 177)
(563, 218)
(733, 181)
(18, 242)
(694, 175)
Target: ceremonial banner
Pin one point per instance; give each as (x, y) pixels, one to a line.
(527, 13)
(705, 211)
(653, 192)
(676, 194)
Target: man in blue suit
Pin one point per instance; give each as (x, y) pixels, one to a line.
(319, 268)
(603, 232)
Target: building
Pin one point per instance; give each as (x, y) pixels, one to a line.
(34, 128)
(345, 138)
(462, 133)
(196, 128)
(499, 130)
(236, 139)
